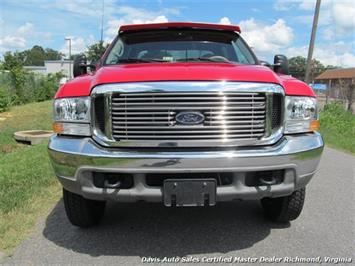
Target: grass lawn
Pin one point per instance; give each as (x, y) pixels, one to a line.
(338, 128)
(28, 188)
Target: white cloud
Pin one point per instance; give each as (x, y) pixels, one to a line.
(283, 5)
(328, 34)
(132, 15)
(78, 44)
(114, 24)
(308, 5)
(344, 14)
(325, 18)
(12, 42)
(266, 38)
(26, 29)
(112, 28)
(337, 15)
(158, 19)
(17, 39)
(340, 19)
(225, 20)
(337, 54)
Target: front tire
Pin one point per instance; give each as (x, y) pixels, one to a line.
(284, 209)
(82, 212)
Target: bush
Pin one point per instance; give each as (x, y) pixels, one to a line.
(47, 87)
(24, 87)
(4, 100)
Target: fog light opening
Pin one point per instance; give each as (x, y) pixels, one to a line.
(267, 180)
(112, 183)
(113, 180)
(264, 178)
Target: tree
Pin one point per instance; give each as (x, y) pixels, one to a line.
(33, 57)
(51, 54)
(37, 55)
(297, 66)
(95, 52)
(13, 62)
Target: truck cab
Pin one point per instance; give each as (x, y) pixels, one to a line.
(184, 114)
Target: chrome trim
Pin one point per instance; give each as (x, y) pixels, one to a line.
(268, 120)
(106, 139)
(188, 86)
(75, 159)
(108, 116)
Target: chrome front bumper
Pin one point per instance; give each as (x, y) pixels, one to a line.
(74, 160)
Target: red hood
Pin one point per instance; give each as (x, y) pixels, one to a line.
(82, 86)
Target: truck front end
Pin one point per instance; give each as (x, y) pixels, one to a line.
(185, 115)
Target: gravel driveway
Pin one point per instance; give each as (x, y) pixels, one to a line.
(130, 232)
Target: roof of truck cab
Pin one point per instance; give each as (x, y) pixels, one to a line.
(172, 25)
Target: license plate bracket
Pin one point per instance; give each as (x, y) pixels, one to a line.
(189, 192)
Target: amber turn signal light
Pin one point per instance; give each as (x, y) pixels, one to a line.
(57, 128)
(314, 125)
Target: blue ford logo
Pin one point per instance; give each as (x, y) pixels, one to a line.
(189, 118)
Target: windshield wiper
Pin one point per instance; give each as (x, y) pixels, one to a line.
(138, 60)
(204, 59)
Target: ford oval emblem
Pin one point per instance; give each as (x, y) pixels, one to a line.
(189, 118)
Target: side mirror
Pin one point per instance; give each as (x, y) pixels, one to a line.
(80, 66)
(281, 64)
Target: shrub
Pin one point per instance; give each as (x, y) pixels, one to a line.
(4, 100)
(25, 87)
(47, 87)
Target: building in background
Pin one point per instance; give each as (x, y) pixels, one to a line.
(53, 66)
(36, 69)
(340, 86)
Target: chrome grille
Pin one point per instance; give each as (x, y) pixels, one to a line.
(229, 116)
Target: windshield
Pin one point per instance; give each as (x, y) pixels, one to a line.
(179, 46)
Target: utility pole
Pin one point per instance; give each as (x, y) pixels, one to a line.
(69, 39)
(102, 21)
(311, 43)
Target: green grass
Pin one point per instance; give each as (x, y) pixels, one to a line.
(25, 117)
(28, 187)
(338, 127)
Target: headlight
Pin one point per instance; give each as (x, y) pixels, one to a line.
(72, 116)
(301, 114)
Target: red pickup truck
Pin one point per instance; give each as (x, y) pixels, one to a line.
(186, 115)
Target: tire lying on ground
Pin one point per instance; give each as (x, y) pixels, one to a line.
(284, 209)
(83, 212)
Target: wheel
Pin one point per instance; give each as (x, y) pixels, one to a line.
(284, 209)
(82, 212)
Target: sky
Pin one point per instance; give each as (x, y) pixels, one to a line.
(269, 27)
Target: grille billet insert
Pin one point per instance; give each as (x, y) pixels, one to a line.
(99, 104)
(151, 116)
(276, 111)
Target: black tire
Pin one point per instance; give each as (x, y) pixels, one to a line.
(82, 212)
(284, 209)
